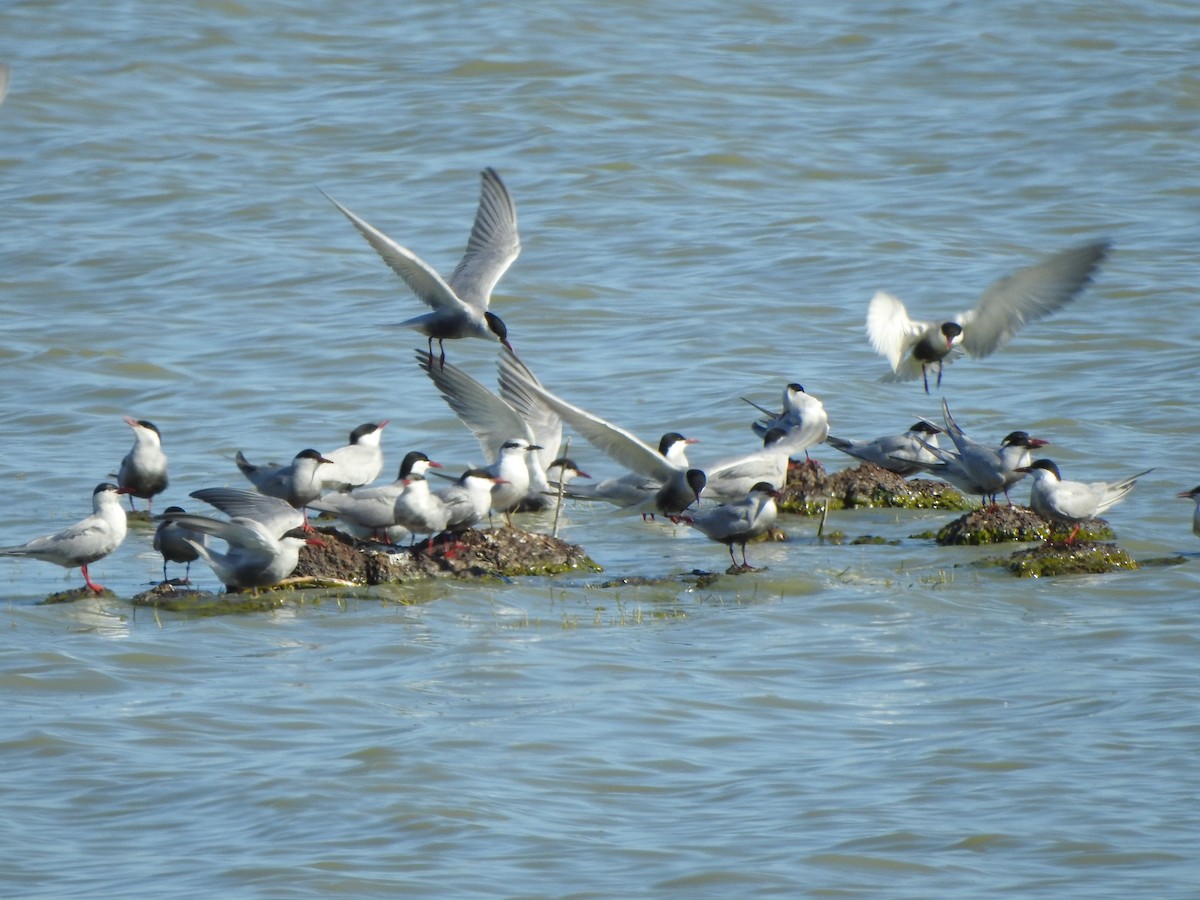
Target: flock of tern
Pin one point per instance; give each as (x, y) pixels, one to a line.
(520, 428)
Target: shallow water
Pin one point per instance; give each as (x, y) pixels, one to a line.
(708, 196)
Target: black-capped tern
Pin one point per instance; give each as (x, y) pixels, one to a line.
(460, 304)
(359, 462)
(740, 521)
(468, 500)
(299, 482)
(177, 543)
(1072, 502)
(374, 508)
(143, 471)
(85, 542)
(897, 453)
(977, 468)
(913, 347)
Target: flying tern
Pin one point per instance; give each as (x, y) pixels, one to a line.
(86, 541)
(460, 304)
(914, 347)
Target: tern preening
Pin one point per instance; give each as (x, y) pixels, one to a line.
(85, 542)
(914, 347)
(459, 304)
(803, 416)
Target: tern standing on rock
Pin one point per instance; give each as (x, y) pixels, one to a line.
(358, 463)
(177, 543)
(460, 304)
(84, 542)
(143, 471)
(897, 453)
(1072, 502)
(299, 482)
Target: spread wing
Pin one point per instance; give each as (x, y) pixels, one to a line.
(611, 440)
(421, 279)
(492, 246)
(1028, 295)
(543, 421)
(893, 334)
(487, 416)
(277, 516)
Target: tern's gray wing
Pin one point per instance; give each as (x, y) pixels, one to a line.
(493, 244)
(246, 534)
(960, 439)
(612, 440)
(277, 516)
(1027, 295)
(488, 417)
(421, 279)
(544, 422)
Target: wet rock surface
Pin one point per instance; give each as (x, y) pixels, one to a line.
(809, 488)
(76, 594)
(1006, 524)
(1055, 559)
(343, 562)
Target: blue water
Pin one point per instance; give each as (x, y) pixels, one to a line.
(708, 196)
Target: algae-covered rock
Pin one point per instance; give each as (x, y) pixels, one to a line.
(994, 525)
(809, 489)
(1005, 524)
(75, 594)
(496, 553)
(1079, 558)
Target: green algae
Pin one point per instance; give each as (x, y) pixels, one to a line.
(1058, 559)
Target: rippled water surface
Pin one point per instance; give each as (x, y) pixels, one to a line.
(708, 196)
